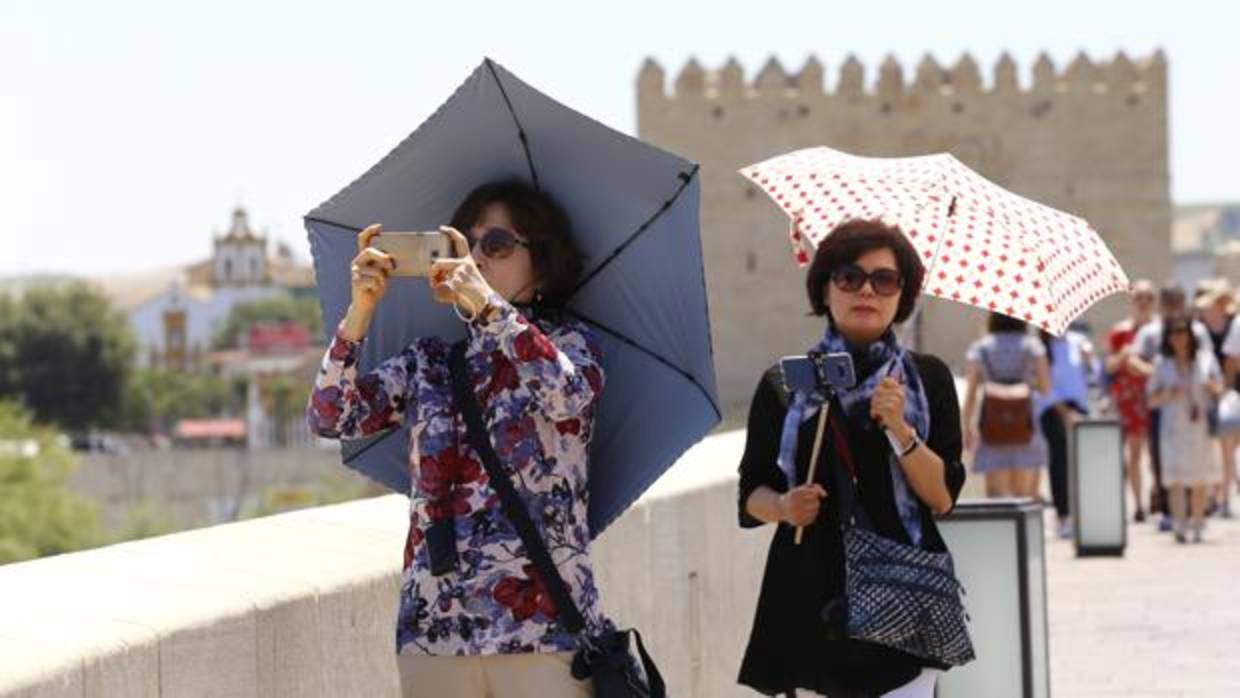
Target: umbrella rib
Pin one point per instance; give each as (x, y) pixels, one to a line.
(525, 143)
(373, 442)
(685, 179)
(629, 341)
(312, 219)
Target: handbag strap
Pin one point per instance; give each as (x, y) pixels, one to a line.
(513, 506)
(658, 689)
(990, 370)
(992, 376)
(851, 509)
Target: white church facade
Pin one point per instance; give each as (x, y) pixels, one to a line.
(175, 326)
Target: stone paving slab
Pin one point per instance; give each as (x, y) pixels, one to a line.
(1163, 621)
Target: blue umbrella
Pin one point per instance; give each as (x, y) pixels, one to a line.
(635, 212)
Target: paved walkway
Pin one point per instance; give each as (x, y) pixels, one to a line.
(1162, 621)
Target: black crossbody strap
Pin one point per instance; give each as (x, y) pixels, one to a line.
(850, 507)
(658, 689)
(514, 507)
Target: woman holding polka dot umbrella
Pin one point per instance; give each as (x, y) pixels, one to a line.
(859, 596)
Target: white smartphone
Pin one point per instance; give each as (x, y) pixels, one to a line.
(414, 252)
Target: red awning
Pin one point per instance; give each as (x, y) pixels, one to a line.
(210, 429)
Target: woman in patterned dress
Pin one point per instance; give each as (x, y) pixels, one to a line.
(488, 626)
(1129, 373)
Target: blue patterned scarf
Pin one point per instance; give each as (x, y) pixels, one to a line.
(891, 359)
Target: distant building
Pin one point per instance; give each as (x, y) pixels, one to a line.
(278, 362)
(1205, 242)
(175, 314)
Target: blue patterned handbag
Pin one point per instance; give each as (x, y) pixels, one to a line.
(898, 595)
(906, 598)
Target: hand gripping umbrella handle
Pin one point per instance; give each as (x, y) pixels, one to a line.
(813, 458)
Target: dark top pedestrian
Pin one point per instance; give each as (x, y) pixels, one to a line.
(790, 645)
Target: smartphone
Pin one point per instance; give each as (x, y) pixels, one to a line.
(814, 371)
(414, 252)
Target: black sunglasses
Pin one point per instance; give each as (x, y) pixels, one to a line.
(885, 282)
(497, 242)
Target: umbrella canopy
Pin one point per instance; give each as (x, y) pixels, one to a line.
(634, 210)
(981, 244)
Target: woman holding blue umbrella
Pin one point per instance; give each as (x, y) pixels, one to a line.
(476, 618)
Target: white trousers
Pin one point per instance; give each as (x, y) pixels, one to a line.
(920, 687)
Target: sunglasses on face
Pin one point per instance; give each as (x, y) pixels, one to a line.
(885, 282)
(496, 242)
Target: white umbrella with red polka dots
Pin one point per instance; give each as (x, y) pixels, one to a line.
(981, 244)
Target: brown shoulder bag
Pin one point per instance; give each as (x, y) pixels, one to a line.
(1007, 411)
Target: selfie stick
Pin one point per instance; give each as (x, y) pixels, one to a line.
(813, 459)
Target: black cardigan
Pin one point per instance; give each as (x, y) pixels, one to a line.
(788, 647)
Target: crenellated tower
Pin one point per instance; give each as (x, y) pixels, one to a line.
(1089, 137)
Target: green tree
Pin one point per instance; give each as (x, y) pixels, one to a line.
(155, 399)
(66, 355)
(39, 515)
(274, 309)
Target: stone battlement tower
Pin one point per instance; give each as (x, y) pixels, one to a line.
(1090, 139)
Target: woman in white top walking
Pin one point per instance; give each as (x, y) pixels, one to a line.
(1186, 378)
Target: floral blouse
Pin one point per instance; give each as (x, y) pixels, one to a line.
(538, 383)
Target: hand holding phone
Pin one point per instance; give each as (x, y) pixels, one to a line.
(368, 278)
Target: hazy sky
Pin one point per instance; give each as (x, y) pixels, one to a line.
(129, 130)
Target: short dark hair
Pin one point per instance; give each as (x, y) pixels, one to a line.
(1172, 295)
(1178, 323)
(848, 241)
(998, 322)
(555, 257)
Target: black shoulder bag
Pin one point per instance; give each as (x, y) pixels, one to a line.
(615, 660)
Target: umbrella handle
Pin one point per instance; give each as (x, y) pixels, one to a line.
(813, 459)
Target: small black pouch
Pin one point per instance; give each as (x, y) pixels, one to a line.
(441, 546)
